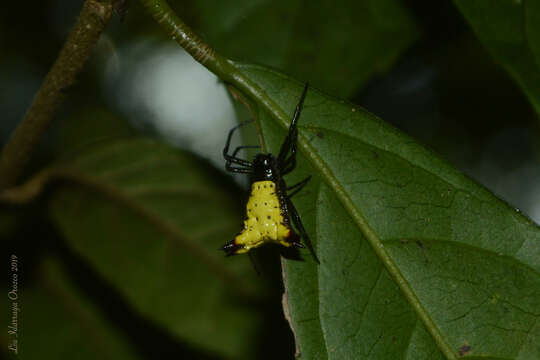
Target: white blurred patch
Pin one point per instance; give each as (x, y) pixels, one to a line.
(163, 88)
(521, 187)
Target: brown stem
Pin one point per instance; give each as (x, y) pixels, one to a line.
(94, 16)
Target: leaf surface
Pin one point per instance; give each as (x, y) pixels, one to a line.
(417, 260)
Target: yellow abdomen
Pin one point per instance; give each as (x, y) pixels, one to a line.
(264, 220)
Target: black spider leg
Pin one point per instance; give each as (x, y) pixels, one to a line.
(287, 165)
(254, 263)
(300, 227)
(239, 169)
(244, 165)
(298, 186)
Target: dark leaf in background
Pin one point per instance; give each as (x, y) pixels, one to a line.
(336, 47)
(510, 32)
(150, 219)
(55, 320)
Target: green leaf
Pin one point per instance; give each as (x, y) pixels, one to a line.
(88, 126)
(510, 31)
(9, 222)
(150, 219)
(338, 48)
(417, 260)
(55, 321)
(532, 28)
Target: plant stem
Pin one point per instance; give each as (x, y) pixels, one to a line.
(190, 41)
(94, 16)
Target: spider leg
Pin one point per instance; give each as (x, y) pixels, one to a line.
(289, 145)
(239, 170)
(290, 163)
(254, 263)
(298, 186)
(300, 227)
(232, 158)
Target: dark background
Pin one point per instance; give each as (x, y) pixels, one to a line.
(444, 90)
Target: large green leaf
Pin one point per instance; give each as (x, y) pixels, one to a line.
(509, 29)
(150, 219)
(337, 47)
(55, 321)
(417, 260)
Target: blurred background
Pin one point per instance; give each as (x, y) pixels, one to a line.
(415, 64)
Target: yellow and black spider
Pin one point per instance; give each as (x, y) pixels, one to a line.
(269, 210)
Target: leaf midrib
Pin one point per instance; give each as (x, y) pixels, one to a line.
(375, 242)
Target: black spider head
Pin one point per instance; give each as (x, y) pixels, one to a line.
(265, 167)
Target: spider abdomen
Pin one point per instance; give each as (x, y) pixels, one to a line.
(265, 221)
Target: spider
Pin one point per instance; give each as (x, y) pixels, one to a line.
(269, 210)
